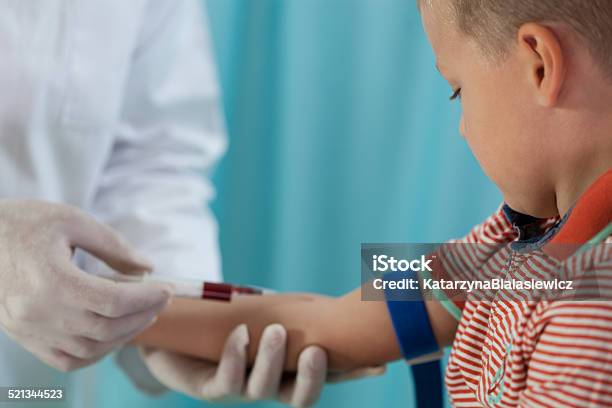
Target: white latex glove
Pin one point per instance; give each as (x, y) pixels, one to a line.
(64, 316)
(228, 382)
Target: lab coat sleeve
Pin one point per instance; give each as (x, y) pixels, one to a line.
(155, 188)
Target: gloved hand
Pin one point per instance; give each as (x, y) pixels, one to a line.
(61, 314)
(225, 382)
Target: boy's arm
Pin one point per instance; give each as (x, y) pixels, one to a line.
(354, 333)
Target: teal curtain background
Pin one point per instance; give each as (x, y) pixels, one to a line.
(341, 133)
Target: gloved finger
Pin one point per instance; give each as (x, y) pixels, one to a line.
(65, 362)
(178, 372)
(104, 243)
(56, 358)
(305, 390)
(105, 329)
(228, 381)
(264, 379)
(109, 298)
(356, 374)
(129, 359)
(200, 378)
(86, 349)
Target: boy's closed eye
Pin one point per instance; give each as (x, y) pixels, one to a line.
(456, 91)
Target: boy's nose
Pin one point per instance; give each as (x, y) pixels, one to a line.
(462, 127)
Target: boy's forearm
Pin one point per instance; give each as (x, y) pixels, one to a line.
(354, 333)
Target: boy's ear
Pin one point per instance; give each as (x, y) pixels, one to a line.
(542, 57)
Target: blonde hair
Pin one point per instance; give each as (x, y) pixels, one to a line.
(494, 23)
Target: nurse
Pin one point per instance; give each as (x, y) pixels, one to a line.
(109, 116)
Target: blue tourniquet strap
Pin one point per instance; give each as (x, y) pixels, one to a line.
(409, 317)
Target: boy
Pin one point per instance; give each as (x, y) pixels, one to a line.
(535, 81)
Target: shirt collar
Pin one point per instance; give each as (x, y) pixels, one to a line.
(529, 229)
(591, 213)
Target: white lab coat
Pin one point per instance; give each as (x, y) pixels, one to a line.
(112, 106)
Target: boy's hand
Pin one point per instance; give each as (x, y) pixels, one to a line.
(228, 381)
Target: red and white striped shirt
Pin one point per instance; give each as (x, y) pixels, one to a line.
(517, 352)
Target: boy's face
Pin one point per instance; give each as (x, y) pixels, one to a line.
(499, 114)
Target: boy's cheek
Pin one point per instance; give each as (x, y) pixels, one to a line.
(508, 162)
(491, 146)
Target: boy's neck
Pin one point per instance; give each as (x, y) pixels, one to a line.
(583, 137)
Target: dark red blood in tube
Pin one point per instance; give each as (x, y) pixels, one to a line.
(217, 291)
(244, 290)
